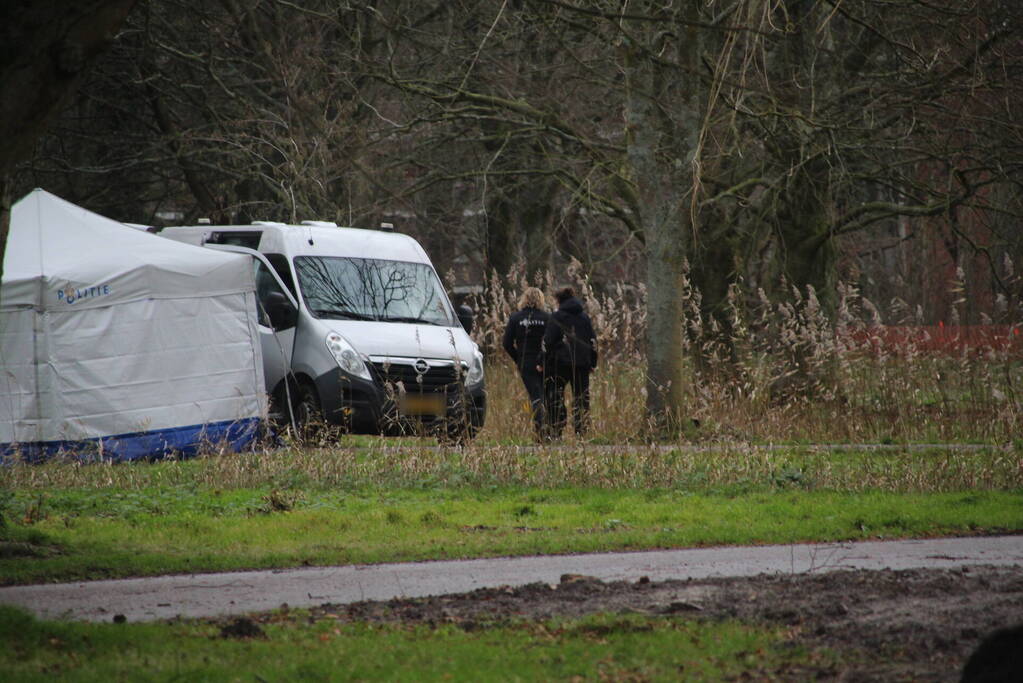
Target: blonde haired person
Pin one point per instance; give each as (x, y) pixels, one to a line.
(523, 336)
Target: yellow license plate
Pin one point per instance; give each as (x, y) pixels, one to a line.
(422, 404)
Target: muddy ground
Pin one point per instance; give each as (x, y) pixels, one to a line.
(913, 625)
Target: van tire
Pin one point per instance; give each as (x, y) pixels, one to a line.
(308, 412)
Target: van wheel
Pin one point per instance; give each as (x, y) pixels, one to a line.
(308, 413)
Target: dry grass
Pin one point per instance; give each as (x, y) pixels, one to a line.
(853, 389)
(735, 468)
(783, 372)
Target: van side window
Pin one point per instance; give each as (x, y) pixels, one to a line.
(265, 284)
(280, 264)
(243, 238)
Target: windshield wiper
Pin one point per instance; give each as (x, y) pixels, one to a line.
(342, 313)
(409, 319)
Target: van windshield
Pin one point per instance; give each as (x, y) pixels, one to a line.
(372, 289)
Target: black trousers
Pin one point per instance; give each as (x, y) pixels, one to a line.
(533, 381)
(578, 377)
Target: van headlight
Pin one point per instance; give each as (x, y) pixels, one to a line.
(475, 374)
(347, 357)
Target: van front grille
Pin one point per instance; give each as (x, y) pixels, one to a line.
(437, 378)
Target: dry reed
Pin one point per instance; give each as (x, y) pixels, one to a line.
(781, 371)
(851, 385)
(732, 468)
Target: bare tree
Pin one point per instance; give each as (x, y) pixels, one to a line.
(745, 140)
(48, 47)
(625, 144)
(234, 111)
(851, 117)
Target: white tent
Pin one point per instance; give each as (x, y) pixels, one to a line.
(119, 344)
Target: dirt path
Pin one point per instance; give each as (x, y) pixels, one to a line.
(914, 610)
(200, 595)
(907, 625)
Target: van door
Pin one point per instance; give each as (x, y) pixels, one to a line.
(276, 330)
(278, 320)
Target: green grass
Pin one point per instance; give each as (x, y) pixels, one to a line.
(101, 533)
(601, 647)
(370, 500)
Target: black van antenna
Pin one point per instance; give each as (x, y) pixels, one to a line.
(318, 224)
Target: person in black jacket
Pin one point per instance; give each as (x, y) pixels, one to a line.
(523, 337)
(570, 351)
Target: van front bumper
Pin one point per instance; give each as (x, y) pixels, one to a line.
(372, 407)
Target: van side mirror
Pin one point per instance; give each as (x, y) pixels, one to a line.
(467, 317)
(280, 311)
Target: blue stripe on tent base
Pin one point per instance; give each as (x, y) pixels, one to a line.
(233, 435)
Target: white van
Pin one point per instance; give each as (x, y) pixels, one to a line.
(357, 329)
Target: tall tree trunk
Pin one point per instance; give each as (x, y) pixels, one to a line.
(662, 134)
(803, 222)
(665, 254)
(810, 254)
(501, 233)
